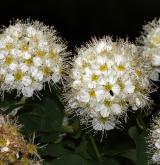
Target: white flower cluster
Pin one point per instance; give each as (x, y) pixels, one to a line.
(154, 141)
(150, 41)
(106, 79)
(30, 55)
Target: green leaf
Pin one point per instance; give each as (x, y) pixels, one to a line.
(133, 132)
(116, 143)
(106, 161)
(54, 150)
(131, 155)
(109, 161)
(68, 159)
(43, 117)
(141, 148)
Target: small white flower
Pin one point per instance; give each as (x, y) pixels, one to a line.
(103, 124)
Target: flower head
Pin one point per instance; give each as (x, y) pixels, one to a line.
(30, 55)
(105, 80)
(154, 141)
(14, 149)
(150, 40)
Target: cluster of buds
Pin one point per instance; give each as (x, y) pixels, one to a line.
(14, 149)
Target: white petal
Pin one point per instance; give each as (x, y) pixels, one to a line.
(138, 102)
(156, 60)
(156, 157)
(9, 78)
(1, 55)
(83, 97)
(26, 81)
(34, 71)
(27, 91)
(157, 144)
(119, 59)
(104, 111)
(116, 109)
(39, 76)
(13, 66)
(158, 130)
(24, 68)
(109, 126)
(100, 95)
(129, 88)
(96, 125)
(154, 75)
(116, 89)
(26, 55)
(37, 61)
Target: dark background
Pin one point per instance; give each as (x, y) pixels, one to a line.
(78, 20)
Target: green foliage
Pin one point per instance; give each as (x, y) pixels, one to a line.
(70, 144)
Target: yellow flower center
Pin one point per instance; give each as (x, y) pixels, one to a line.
(18, 75)
(103, 68)
(139, 72)
(29, 61)
(46, 71)
(92, 93)
(8, 60)
(120, 67)
(121, 84)
(108, 103)
(24, 48)
(102, 120)
(94, 77)
(52, 54)
(9, 46)
(122, 102)
(40, 53)
(108, 87)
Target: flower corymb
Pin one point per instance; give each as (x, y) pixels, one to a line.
(150, 41)
(30, 55)
(154, 141)
(105, 80)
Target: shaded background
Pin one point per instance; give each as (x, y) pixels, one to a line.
(78, 20)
